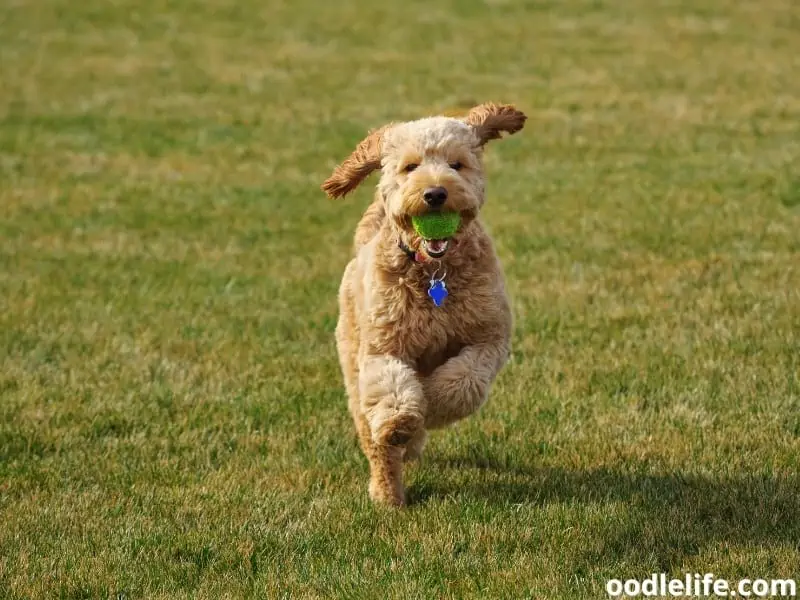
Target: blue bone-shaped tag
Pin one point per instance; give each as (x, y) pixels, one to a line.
(438, 291)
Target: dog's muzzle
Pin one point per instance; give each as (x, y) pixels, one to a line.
(435, 248)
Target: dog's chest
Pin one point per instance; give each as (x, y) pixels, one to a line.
(417, 329)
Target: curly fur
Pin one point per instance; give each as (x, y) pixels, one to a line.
(408, 365)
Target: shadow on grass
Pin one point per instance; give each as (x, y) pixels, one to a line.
(667, 517)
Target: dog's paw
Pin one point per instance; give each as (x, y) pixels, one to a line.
(398, 429)
(381, 492)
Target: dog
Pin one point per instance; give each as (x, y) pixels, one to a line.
(424, 324)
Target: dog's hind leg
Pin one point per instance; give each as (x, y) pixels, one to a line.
(415, 446)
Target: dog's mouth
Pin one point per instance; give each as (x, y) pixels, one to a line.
(436, 248)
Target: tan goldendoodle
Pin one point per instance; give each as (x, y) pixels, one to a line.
(424, 324)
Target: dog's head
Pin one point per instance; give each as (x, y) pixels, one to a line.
(429, 165)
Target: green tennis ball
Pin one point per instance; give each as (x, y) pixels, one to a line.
(437, 226)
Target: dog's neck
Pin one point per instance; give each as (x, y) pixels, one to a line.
(401, 255)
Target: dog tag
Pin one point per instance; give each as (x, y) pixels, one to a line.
(438, 291)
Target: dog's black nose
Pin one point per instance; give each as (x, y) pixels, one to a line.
(435, 196)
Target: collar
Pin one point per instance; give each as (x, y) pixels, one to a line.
(411, 254)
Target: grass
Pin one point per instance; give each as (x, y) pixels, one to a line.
(172, 422)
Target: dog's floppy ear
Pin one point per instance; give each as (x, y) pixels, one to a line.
(354, 169)
(490, 120)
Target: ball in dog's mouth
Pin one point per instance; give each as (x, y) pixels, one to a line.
(436, 248)
(436, 229)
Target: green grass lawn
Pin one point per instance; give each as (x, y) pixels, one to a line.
(172, 418)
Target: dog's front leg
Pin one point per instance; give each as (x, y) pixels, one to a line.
(392, 400)
(461, 385)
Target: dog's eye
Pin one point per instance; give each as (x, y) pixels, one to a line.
(410, 167)
(456, 166)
